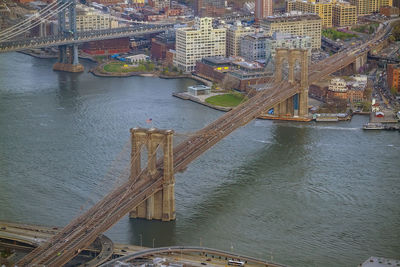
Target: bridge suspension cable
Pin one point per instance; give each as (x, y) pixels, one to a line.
(21, 23)
(94, 218)
(21, 30)
(83, 230)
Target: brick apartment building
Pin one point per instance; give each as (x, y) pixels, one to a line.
(393, 76)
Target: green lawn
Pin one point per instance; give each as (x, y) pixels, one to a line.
(226, 100)
(334, 34)
(119, 67)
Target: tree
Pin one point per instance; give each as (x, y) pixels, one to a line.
(371, 29)
(393, 90)
(366, 106)
(396, 32)
(229, 82)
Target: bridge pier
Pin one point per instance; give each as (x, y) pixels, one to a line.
(296, 105)
(359, 63)
(68, 59)
(161, 205)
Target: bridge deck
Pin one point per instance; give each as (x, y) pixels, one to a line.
(82, 231)
(82, 37)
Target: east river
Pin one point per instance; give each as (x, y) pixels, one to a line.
(303, 194)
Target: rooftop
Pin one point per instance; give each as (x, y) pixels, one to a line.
(292, 17)
(249, 65)
(199, 87)
(217, 60)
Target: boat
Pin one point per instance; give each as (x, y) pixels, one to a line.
(373, 126)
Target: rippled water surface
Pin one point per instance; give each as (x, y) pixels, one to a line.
(304, 194)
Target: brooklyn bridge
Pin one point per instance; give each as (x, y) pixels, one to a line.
(149, 191)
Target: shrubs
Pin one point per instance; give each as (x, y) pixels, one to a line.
(124, 67)
(334, 34)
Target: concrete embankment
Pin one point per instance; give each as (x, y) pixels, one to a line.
(186, 96)
(98, 73)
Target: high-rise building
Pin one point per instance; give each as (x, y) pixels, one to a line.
(233, 36)
(263, 9)
(286, 40)
(253, 47)
(209, 8)
(393, 76)
(344, 14)
(197, 42)
(296, 24)
(331, 12)
(159, 4)
(366, 7)
(322, 8)
(88, 19)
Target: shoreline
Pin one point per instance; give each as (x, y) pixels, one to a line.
(48, 56)
(185, 96)
(182, 96)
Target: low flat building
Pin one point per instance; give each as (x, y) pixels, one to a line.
(135, 59)
(352, 90)
(380, 262)
(249, 73)
(107, 47)
(214, 68)
(161, 44)
(197, 90)
(337, 89)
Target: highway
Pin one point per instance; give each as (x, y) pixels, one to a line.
(83, 230)
(191, 249)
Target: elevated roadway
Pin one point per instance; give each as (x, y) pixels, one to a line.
(82, 37)
(26, 237)
(191, 249)
(83, 230)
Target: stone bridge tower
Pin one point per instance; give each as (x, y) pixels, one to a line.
(161, 205)
(298, 104)
(68, 54)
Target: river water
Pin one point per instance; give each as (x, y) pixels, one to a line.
(302, 194)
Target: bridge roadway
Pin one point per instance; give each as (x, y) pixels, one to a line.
(87, 36)
(83, 230)
(82, 37)
(190, 249)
